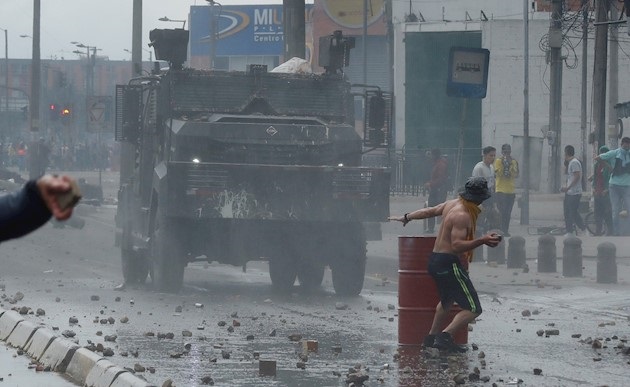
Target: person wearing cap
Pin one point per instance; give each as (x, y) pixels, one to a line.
(601, 200)
(619, 183)
(455, 238)
(572, 192)
(506, 169)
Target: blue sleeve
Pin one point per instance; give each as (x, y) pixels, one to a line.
(22, 212)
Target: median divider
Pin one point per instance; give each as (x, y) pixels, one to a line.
(83, 366)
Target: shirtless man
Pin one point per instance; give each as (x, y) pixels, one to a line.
(454, 239)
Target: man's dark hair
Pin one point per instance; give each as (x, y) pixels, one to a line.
(569, 150)
(436, 153)
(625, 140)
(488, 149)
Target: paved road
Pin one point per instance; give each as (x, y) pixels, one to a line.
(74, 265)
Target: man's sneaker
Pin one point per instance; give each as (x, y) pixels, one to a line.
(444, 342)
(429, 341)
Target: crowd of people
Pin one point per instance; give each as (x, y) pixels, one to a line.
(457, 235)
(500, 174)
(56, 156)
(610, 189)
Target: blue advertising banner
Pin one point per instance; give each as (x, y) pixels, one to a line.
(241, 30)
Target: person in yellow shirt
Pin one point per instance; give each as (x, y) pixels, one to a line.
(506, 169)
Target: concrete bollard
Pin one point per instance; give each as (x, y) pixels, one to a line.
(572, 257)
(547, 254)
(516, 252)
(496, 254)
(606, 263)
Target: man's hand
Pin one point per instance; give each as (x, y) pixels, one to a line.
(401, 219)
(492, 239)
(564, 189)
(50, 187)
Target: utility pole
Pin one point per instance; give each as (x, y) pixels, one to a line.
(33, 152)
(613, 84)
(365, 35)
(6, 83)
(555, 95)
(127, 153)
(583, 104)
(136, 39)
(294, 27)
(526, 150)
(599, 71)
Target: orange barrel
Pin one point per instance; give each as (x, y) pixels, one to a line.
(417, 293)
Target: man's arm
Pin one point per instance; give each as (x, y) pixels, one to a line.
(423, 213)
(514, 168)
(22, 212)
(29, 208)
(459, 236)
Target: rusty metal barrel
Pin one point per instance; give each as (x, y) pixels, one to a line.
(417, 293)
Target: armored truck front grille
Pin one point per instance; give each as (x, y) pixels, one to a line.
(352, 183)
(206, 176)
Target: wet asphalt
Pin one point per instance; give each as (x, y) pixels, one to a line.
(234, 318)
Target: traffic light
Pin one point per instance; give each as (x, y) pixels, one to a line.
(66, 114)
(53, 113)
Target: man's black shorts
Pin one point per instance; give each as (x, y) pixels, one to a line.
(452, 282)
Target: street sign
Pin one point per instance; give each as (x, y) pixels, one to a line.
(467, 72)
(97, 117)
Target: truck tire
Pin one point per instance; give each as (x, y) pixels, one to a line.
(348, 270)
(282, 272)
(134, 267)
(310, 274)
(167, 266)
(348, 276)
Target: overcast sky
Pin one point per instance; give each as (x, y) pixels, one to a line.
(105, 24)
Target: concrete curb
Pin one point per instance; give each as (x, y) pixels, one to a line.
(80, 364)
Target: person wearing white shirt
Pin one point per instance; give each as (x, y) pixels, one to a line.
(572, 191)
(485, 168)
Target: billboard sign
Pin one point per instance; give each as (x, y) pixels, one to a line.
(241, 30)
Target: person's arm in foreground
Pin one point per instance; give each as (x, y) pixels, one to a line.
(30, 207)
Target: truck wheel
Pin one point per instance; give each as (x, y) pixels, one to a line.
(134, 267)
(310, 274)
(347, 276)
(167, 268)
(282, 273)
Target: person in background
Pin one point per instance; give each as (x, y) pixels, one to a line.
(437, 185)
(572, 192)
(619, 184)
(455, 238)
(30, 207)
(485, 169)
(506, 169)
(601, 200)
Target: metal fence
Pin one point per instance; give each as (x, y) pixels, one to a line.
(411, 169)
